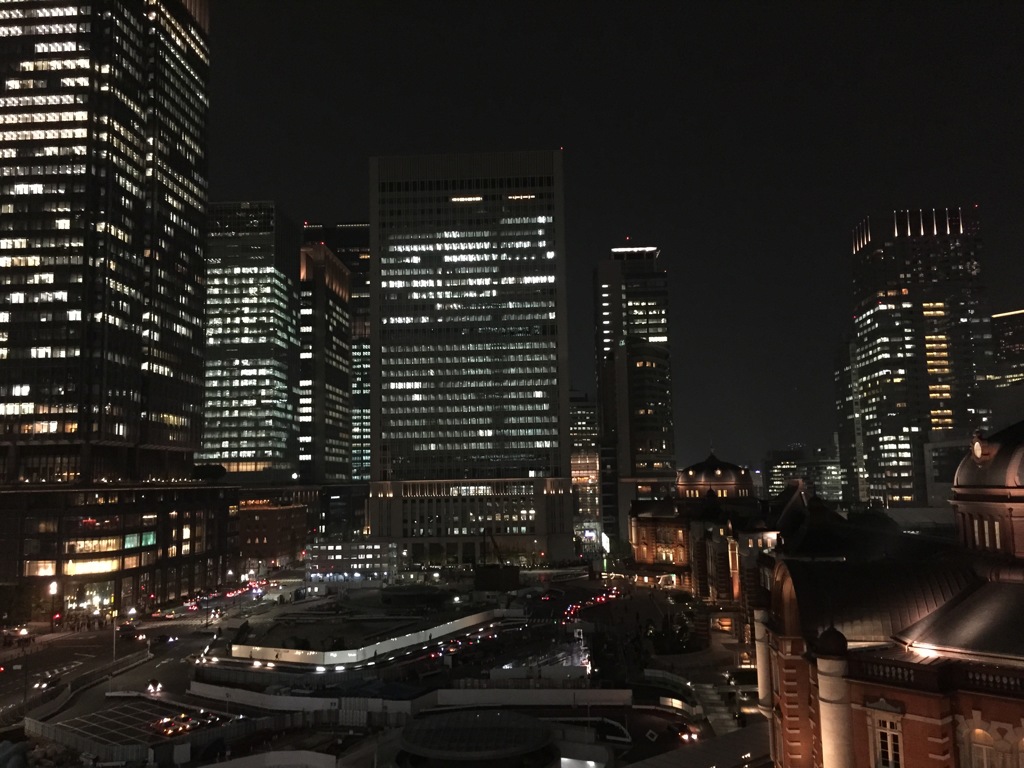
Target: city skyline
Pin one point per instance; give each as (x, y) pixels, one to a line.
(746, 142)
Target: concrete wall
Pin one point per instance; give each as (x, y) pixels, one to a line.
(272, 702)
(547, 697)
(679, 684)
(378, 651)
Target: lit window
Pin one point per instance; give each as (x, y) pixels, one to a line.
(982, 749)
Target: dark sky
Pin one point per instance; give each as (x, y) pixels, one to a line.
(744, 139)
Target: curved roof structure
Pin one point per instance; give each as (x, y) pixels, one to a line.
(866, 601)
(832, 642)
(473, 738)
(994, 462)
(984, 625)
(713, 472)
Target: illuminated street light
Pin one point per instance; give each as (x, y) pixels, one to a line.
(53, 608)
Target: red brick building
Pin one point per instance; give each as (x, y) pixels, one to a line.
(708, 541)
(271, 534)
(887, 651)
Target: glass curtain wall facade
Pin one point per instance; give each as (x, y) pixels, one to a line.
(102, 158)
(325, 372)
(469, 418)
(921, 346)
(252, 348)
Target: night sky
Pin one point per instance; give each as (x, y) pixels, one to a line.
(744, 139)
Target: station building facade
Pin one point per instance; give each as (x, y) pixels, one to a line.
(896, 652)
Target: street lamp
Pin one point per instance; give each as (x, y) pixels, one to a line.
(53, 599)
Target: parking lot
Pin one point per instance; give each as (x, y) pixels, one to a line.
(133, 722)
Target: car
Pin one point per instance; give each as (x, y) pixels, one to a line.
(46, 681)
(687, 733)
(154, 686)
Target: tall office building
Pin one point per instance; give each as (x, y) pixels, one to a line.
(634, 381)
(1008, 336)
(921, 347)
(102, 204)
(351, 244)
(102, 149)
(343, 503)
(252, 344)
(469, 419)
(1007, 379)
(586, 474)
(325, 368)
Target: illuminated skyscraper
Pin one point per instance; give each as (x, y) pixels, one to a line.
(470, 441)
(350, 242)
(586, 473)
(1007, 379)
(252, 346)
(102, 150)
(634, 381)
(103, 111)
(325, 368)
(921, 347)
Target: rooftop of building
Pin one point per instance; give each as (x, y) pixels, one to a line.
(979, 623)
(996, 461)
(868, 601)
(714, 471)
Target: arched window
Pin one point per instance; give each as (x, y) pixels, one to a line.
(982, 750)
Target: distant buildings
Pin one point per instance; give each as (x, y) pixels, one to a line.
(708, 540)
(583, 431)
(634, 381)
(252, 345)
(817, 468)
(469, 400)
(1007, 378)
(102, 205)
(913, 371)
(1008, 336)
